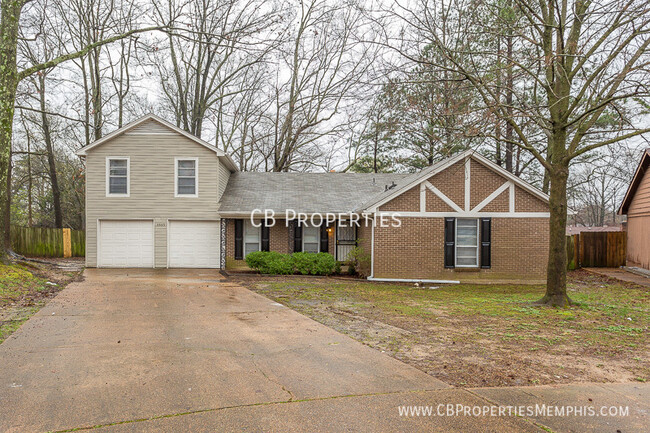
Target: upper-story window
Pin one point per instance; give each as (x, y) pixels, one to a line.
(118, 174)
(186, 177)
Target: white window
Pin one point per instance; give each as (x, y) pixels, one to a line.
(252, 236)
(466, 243)
(186, 177)
(118, 172)
(310, 239)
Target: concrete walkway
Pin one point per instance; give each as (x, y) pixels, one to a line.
(145, 350)
(622, 275)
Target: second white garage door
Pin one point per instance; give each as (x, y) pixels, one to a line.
(193, 244)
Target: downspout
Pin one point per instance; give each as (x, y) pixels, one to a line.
(372, 248)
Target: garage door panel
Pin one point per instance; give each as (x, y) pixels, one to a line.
(126, 243)
(194, 244)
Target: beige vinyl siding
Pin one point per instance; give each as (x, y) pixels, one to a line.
(224, 176)
(150, 127)
(151, 185)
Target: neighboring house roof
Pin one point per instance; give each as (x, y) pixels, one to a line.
(415, 179)
(636, 180)
(302, 192)
(572, 230)
(220, 153)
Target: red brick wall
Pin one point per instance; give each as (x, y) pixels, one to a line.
(415, 250)
(408, 201)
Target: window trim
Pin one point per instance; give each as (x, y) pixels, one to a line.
(247, 225)
(196, 176)
(478, 243)
(108, 176)
(318, 229)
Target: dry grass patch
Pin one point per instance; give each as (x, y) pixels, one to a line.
(485, 335)
(25, 288)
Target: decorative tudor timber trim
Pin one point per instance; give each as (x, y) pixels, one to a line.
(463, 214)
(466, 156)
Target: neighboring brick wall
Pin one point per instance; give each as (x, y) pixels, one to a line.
(415, 250)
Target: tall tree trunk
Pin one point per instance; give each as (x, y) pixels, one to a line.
(510, 82)
(7, 213)
(10, 17)
(30, 215)
(51, 161)
(557, 259)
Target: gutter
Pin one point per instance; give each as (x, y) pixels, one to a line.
(407, 280)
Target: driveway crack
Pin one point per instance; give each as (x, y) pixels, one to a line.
(275, 382)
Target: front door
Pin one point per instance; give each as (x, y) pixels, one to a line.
(346, 240)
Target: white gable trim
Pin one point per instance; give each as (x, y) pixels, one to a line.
(439, 193)
(494, 195)
(125, 129)
(441, 166)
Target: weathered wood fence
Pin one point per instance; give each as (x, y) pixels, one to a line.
(596, 250)
(46, 242)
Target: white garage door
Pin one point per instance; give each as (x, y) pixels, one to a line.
(125, 244)
(193, 244)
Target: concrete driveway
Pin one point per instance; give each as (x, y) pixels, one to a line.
(184, 350)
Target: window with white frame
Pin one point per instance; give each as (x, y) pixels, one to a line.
(117, 176)
(310, 239)
(252, 236)
(187, 175)
(467, 243)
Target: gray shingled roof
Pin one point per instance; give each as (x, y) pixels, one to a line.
(304, 192)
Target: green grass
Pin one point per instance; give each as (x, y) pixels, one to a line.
(608, 317)
(20, 297)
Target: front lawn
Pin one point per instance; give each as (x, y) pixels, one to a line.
(25, 289)
(488, 335)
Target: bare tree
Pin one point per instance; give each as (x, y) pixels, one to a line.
(13, 70)
(209, 52)
(326, 64)
(587, 61)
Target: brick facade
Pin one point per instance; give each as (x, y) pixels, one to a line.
(415, 250)
(519, 246)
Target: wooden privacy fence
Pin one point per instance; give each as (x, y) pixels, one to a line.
(597, 250)
(46, 242)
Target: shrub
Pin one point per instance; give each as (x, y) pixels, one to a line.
(257, 259)
(357, 260)
(314, 264)
(280, 264)
(270, 262)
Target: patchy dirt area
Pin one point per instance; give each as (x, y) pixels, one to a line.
(485, 335)
(26, 286)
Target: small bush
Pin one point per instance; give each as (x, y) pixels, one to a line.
(314, 264)
(257, 259)
(271, 262)
(280, 264)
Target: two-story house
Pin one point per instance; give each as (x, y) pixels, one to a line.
(159, 197)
